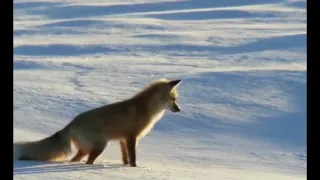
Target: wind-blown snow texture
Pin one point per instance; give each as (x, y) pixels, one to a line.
(243, 95)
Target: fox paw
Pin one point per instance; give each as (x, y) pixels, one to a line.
(125, 162)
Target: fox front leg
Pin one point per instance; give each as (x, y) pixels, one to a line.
(124, 152)
(131, 147)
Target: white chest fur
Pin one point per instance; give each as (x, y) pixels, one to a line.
(151, 124)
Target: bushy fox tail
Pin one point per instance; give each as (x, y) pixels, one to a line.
(52, 148)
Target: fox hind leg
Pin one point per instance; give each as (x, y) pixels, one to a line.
(77, 158)
(98, 148)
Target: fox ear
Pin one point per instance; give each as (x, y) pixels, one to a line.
(174, 83)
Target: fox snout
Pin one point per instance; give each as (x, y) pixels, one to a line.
(174, 107)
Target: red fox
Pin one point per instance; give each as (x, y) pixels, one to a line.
(126, 121)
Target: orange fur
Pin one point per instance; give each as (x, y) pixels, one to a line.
(90, 131)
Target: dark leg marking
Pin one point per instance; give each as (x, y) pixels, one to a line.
(124, 154)
(131, 146)
(78, 156)
(96, 151)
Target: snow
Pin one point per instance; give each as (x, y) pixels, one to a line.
(243, 94)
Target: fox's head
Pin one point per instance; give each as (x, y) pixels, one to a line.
(165, 94)
(161, 94)
(173, 95)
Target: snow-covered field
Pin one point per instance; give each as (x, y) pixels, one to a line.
(243, 95)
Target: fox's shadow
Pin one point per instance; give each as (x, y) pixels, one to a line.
(35, 167)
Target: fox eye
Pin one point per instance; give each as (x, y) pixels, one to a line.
(173, 99)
